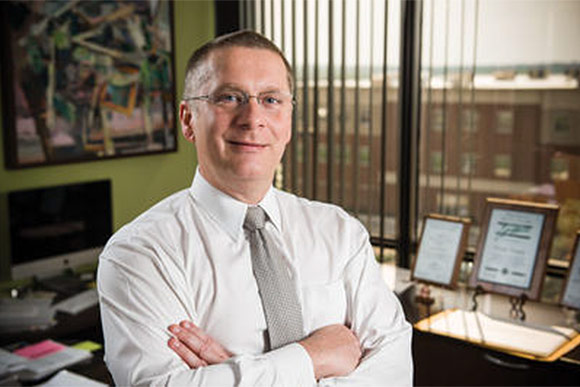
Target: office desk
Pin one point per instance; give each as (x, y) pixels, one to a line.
(445, 361)
(441, 360)
(69, 330)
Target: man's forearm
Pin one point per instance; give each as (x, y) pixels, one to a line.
(334, 350)
(287, 366)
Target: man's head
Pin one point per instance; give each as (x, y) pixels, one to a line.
(195, 76)
(237, 110)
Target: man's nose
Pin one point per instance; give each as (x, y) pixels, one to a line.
(249, 99)
(251, 114)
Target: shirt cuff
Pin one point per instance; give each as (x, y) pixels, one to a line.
(293, 363)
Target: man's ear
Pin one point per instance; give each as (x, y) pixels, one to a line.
(186, 119)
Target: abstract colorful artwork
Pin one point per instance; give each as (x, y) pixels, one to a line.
(85, 80)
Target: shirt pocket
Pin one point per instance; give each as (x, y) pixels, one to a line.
(324, 304)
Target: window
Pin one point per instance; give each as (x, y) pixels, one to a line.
(470, 120)
(366, 117)
(449, 203)
(504, 122)
(559, 169)
(518, 133)
(562, 124)
(436, 162)
(489, 124)
(437, 120)
(322, 153)
(502, 166)
(365, 155)
(468, 163)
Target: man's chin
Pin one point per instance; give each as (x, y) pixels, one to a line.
(251, 174)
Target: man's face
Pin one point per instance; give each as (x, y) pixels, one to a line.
(243, 144)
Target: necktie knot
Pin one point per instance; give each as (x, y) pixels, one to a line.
(255, 218)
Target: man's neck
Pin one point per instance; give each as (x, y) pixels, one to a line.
(246, 191)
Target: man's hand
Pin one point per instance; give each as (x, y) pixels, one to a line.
(195, 347)
(334, 350)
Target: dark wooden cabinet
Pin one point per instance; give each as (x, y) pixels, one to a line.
(444, 361)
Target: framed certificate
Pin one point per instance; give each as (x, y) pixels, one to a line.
(571, 293)
(513, 247)
(443, 243)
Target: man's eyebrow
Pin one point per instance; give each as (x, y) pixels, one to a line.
(234, 87)
(228, 86)
(274, 90)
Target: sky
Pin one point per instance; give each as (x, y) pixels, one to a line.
(508, 31)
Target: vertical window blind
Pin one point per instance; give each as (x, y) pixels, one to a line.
(344, 136)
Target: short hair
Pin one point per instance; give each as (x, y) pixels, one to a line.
(243, 38)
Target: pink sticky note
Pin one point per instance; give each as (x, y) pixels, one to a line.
(41, 349)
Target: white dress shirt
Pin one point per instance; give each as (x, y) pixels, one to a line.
(188, 258)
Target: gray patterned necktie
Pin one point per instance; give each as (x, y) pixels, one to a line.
(277, 290)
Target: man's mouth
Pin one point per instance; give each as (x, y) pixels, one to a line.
(246, 144)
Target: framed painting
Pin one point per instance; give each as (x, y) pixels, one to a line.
(441, 249)
(86, 80)
(513, 247)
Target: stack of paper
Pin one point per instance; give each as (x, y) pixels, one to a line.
(17, 315)
(78, 302)
(67, 378)
(39, 360)
(10, 363)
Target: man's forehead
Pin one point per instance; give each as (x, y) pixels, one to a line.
(225, 56)
(229, 65)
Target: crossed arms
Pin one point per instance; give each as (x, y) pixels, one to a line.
(334, 349)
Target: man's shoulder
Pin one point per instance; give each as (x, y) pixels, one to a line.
(308, 224)
(315, 210)
(159, 219)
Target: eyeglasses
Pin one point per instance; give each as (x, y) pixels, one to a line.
(230, 100)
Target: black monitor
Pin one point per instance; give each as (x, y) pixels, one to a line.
(57, 228)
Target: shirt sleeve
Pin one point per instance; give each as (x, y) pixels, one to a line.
(377, 318)
(139, 299)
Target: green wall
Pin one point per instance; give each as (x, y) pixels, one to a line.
(137, 182)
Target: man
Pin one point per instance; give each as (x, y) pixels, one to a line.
(182, 298)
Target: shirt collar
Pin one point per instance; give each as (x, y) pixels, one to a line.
(227, 211)
(270, 205)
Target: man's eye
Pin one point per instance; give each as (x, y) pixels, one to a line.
(228, 98)
(271, 100)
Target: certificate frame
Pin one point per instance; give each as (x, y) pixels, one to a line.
(543, 241)
(574, 260)
(459, 246)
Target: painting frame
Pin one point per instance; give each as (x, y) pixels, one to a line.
(84, 81)
(459, 245)
(531, 227)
